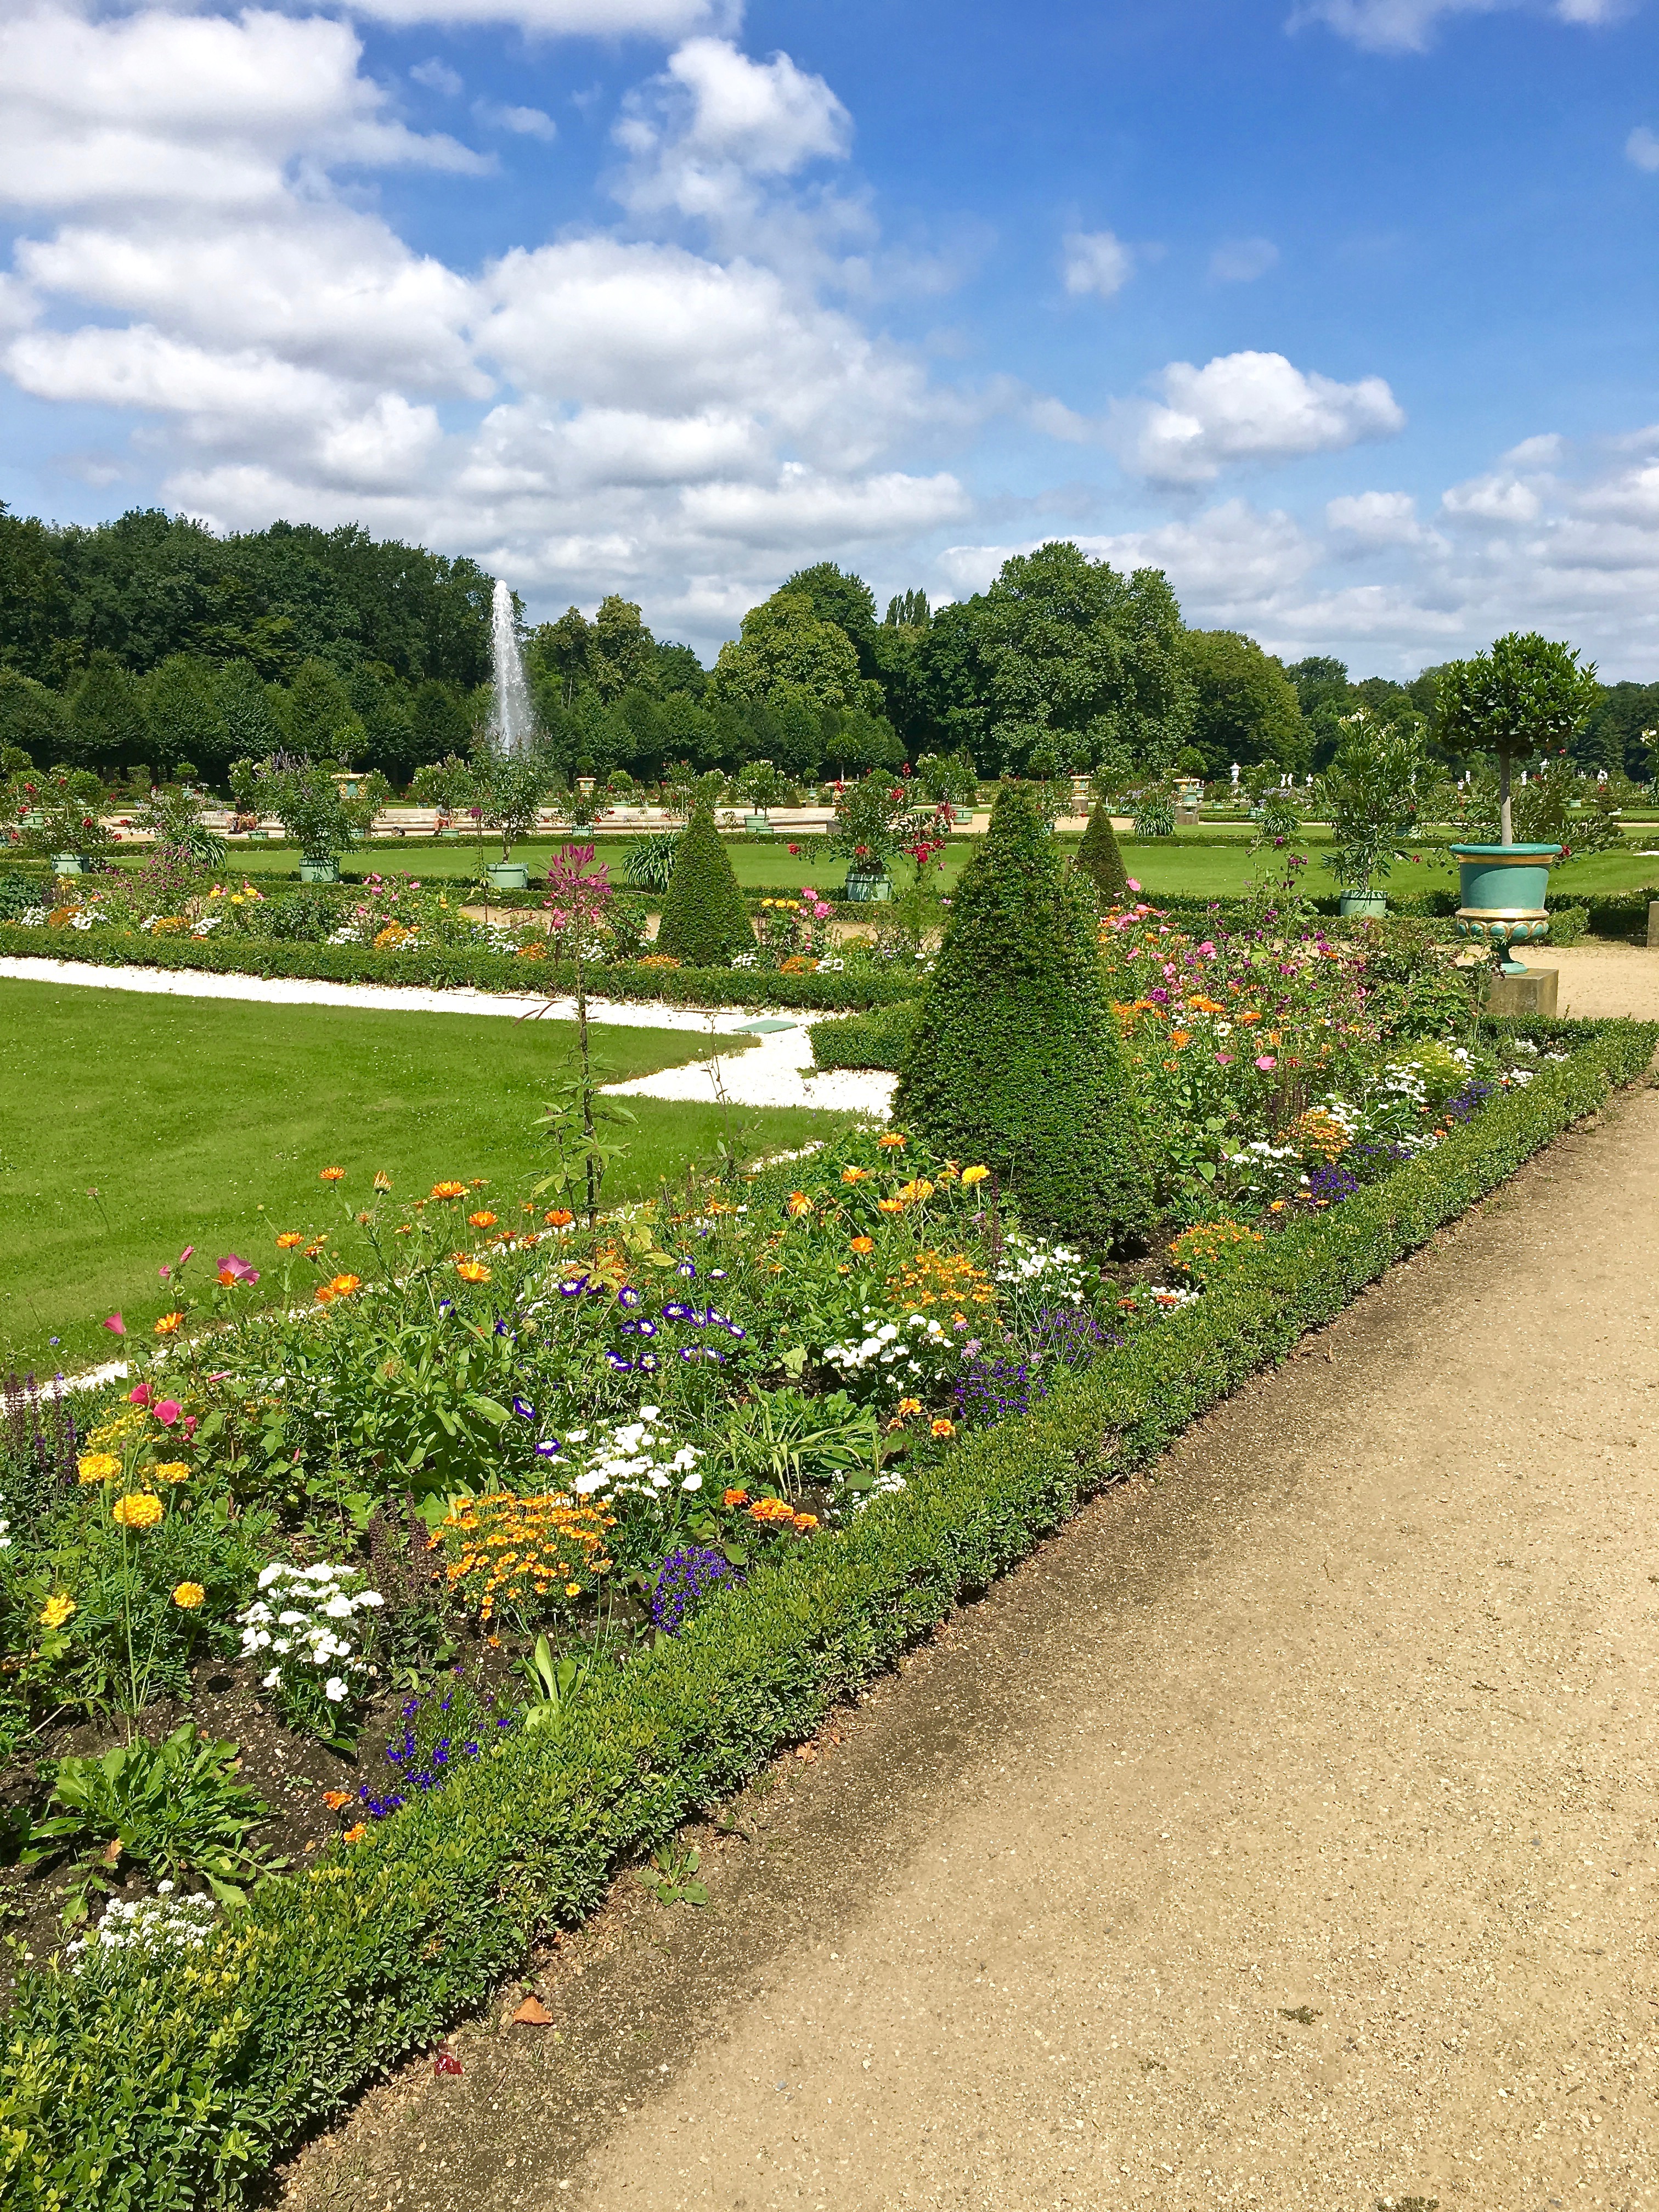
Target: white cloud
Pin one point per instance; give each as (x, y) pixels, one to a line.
(527, 122)
(1245, 407)
(1643, 147)
(1501, 496)
(1242, 261)
(1401, 26)
(438, 76)
(1376, 518)
(570, 19)
(1096, 263)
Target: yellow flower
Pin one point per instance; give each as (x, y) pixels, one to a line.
(331, 1174)
(140, 1509)
(892, 1142)
(289, 1239)
(383, 1180)
(573, 1589)
(890, 1205)
(57, 1609)
(172, 1470)
(913, 1193)
(909, 1405)
(971, 1175)
(188, 1595)
(99, 1466)
(471, 1271)
(943, 1428)
(799, 1204)
(855, 1175)
(168, 1323)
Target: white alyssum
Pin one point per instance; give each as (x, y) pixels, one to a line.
(634, 1458)
(299, 1620)
(148, 1924)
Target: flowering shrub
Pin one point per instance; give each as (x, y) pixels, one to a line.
(523, 1557)
(300, 1623)
(1213, 1246)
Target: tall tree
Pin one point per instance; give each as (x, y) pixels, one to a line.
(181, 706)
(107, 727)
(624, 653)
(784, 641)
(1244, 706)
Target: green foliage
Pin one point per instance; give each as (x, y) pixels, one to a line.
(106, 720)
(321, 722)
(31, 718)
(174, 1809)
(183, 713)
(1527, 695)
(1099, 859)
(1015, 1060)
(1370, 790)
(311, 807)
(786, 647)
(59, 812)
(875, 819)
(157, 2085)
(510, 788)
(704, 919)
(1154, 814)
(1245, 707)
(650, 860)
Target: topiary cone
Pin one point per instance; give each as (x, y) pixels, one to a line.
(1015, 1060)
(704, 919)
(1099, 859)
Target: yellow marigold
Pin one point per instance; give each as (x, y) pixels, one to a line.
(734, 1497)
(98, 1466)
(172, 1470)
(289, 1239)
(914, 1192)
(804, 1523)
(168, 1323)
(188, 1595)
(855, 1175)
(139, 1509)
(331, 1174)
(971, 1175)
(943, 1428)
(57, 1609)
(909, 1405)
(472, 1271)
(891, 1142)
(449, 1190)
(481, 1221)
(862, 1245)
(799, 1204)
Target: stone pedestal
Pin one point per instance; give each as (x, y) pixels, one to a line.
(1534, 991)
(1653, 922)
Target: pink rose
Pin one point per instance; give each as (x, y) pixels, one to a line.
(168, 1411)
(141, 1396)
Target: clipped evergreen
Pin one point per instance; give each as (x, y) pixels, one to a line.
(1014, 1062)
(1099, 859)
(704, 920)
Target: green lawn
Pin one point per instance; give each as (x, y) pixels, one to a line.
(205, 1122)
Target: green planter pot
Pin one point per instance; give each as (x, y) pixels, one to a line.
(1501, 894)
(757, 825)
(319, 872)
(867, 890)
(450, 836)
(507, 875)
(71, 864)
(1371, 905)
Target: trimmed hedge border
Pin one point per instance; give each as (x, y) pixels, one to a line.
(439, 968)
(173, 2088)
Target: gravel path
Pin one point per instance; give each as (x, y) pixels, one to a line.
(1284, 1835)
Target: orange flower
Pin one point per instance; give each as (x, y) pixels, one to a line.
(892, 1142)
(140, 1509)
(862, 1245)
(331, 1174)
(558, 1218)
(804, 1523)
(471, 1271)
(943, 1428)
(914, 1192)
(771, 1509)
(383, 1180)
(890, 1205)
(343, 1285)
(734, 1497)
(855, 1175)
(324, 1295)
(335, 1798)
(289, 1239)
(909, 1405)
(799, 1204)
(356, 1833)
(168, 1323)
(449, 1190)
(481, 1221)
(1178, 1037)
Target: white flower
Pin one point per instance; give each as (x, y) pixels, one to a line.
(339, 1609)
(370, 1597)
(290, 1619)
(334, 1690)
(692, 1482)
(647, 1414)
(271, 1680)
(271, 1574)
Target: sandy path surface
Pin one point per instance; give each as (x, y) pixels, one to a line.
(1604, 979)
(1285, 1834)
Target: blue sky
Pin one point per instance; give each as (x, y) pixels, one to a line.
(1342, 313)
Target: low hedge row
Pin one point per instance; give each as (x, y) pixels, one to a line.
(173, 2086)
(439, 967)
(877, 1039)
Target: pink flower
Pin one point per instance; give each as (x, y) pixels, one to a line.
(165, 1273)
(168, 1412)
(115, 1325)
(185, 1253)
(232, 1270)
(1223, 1060)
(1133, 884)
(1265, 1060)
(141, 1396)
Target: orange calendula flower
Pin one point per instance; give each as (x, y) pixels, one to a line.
(334, 1799)
(449, 1190)
(343, 1285)
(890, 1205)
(355, 1832)
(481, 1221)
(862, 1245)
(892, 1142)
(472, 1271)
(168, 1323)
(188, 1595)
(331, 1174)
(855, 1175)
(324, 1295)
(140, 1509)
(289, 1239)
(558, 1218)
(1178, 1037)
(799, 1204)
(943, 1428)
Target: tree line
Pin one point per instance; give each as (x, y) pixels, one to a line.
(152, 641)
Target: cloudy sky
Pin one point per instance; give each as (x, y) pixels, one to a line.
(1343, 313)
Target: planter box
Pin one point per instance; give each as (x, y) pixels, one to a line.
(758, 826)
(1372, 904)
(867, 890)
(507, 875)
(319, 872)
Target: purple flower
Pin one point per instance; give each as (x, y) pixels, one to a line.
(686, 1578)
(572, 1286)
(525, 1412)
(628, 1297)
(676, 1310)
(622, 1366)
(646, 1362)
(550, 1448)
(687, 1269)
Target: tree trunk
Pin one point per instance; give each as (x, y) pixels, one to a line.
(1505, 812)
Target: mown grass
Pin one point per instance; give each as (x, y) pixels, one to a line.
(132, 1124)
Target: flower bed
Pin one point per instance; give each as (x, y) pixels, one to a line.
(169, 2068)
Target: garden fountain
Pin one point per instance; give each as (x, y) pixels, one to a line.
(513, 725)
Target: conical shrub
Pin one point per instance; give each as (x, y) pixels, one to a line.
(1015, 1061)
(1099, 859)
(704, 920)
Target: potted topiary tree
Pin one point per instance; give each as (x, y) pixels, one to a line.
(1015, 1061)
(760, 785)
(58, 816)
(1527, 695)
(704, 920)
(510, 787)
(315, 814)
(875, 819)
(1370, 791)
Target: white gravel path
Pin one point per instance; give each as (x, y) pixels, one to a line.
(773, 1071)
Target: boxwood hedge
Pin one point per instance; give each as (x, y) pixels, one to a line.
(170, 2086)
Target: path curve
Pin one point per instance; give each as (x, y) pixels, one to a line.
(1284, 1835)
